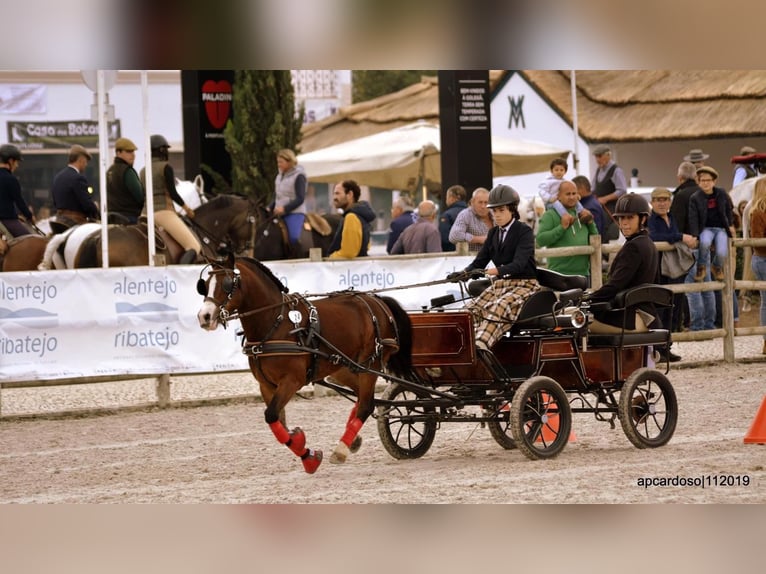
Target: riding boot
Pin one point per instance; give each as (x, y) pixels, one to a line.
(189, 257)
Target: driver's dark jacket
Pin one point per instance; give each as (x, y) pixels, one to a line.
(636, 263)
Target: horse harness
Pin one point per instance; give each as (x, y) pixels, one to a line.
(308, 337)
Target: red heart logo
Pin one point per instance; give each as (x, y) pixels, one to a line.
(217, 97)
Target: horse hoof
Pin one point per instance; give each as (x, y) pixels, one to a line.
(312, 461)
(355, 444)
(340, 454)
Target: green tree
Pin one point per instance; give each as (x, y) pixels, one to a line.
(264, 120)
(369, 84)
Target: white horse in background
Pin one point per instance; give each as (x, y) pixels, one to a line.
(192, 192)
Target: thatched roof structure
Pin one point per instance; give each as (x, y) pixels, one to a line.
(656, 105)
(612, 106)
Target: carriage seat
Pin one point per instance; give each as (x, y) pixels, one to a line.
(626, 302)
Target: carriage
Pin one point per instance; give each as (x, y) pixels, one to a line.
(525, 390)
(547, 367)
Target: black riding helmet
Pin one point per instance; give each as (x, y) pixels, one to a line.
(503, 195)
(158, 141)
(631, 204)
(9, 151)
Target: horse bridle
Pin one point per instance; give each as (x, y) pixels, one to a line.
(229, 283)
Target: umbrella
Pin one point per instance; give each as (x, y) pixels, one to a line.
(399, 158)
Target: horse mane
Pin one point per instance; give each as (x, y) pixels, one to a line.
(266, 271)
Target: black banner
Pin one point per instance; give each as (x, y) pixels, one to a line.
(207, 106)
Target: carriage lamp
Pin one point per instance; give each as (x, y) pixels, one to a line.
(578, 319)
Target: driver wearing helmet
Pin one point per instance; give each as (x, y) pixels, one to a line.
(510, 245)
(11, 201)
(636, 263)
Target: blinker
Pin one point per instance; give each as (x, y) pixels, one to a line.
(202, 287)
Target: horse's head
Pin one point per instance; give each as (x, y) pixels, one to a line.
(220, 293)
(236, 287)
(226, 223)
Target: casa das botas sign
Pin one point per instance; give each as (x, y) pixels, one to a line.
(59, 135)
(217, 97)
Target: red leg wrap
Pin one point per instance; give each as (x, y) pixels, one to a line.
(352, 414)
(352, 429)
(280, 432)
(311, 460)
(297, 442)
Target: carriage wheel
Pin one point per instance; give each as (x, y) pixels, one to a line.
(405, 431)
(541, 418)
(500, 428)
(648, 409)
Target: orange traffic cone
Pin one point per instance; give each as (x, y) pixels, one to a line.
(757, 432)
(550, 430)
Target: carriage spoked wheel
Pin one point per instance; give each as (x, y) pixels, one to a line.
(647, 408)
(500, 427)
(406, 431)
(541, 418)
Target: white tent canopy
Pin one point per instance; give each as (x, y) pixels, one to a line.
(394, 159)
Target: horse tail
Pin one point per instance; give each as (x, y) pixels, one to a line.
(55, 245)
(88, 254)
(400, 363)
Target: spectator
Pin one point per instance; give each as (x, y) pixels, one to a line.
(744, 171)
(165, 193)
(473, 224)
(555, 230)
(455, 201)
(422, 236)
(757, 229)
(662, 227)
(710, 218)
(548, 189)
(124, 193)
(694, 310)
(608, 186)
(510, 245)
(589, 201)
(352, 238)
(11, 199)
(697, 157)
(403, 215)
(71, 191)
(289, 198)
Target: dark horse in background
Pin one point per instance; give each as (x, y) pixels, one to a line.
(291, 341)
(223, 224)
(270, 240)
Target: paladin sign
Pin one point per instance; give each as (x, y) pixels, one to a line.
(217, 98)
(59, 135)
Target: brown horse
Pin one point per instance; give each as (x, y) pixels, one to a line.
(224, 223)
(271, 242)
(287, 348)
(22, 253)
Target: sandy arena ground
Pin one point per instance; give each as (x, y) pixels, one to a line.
(226, 454)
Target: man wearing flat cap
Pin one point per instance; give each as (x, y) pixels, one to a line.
(71, 191)
(609, 184)
(124, 192)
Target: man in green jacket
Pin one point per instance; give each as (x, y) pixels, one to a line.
(566, 231)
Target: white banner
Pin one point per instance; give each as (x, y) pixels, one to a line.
(23, 99)
(143, 320)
